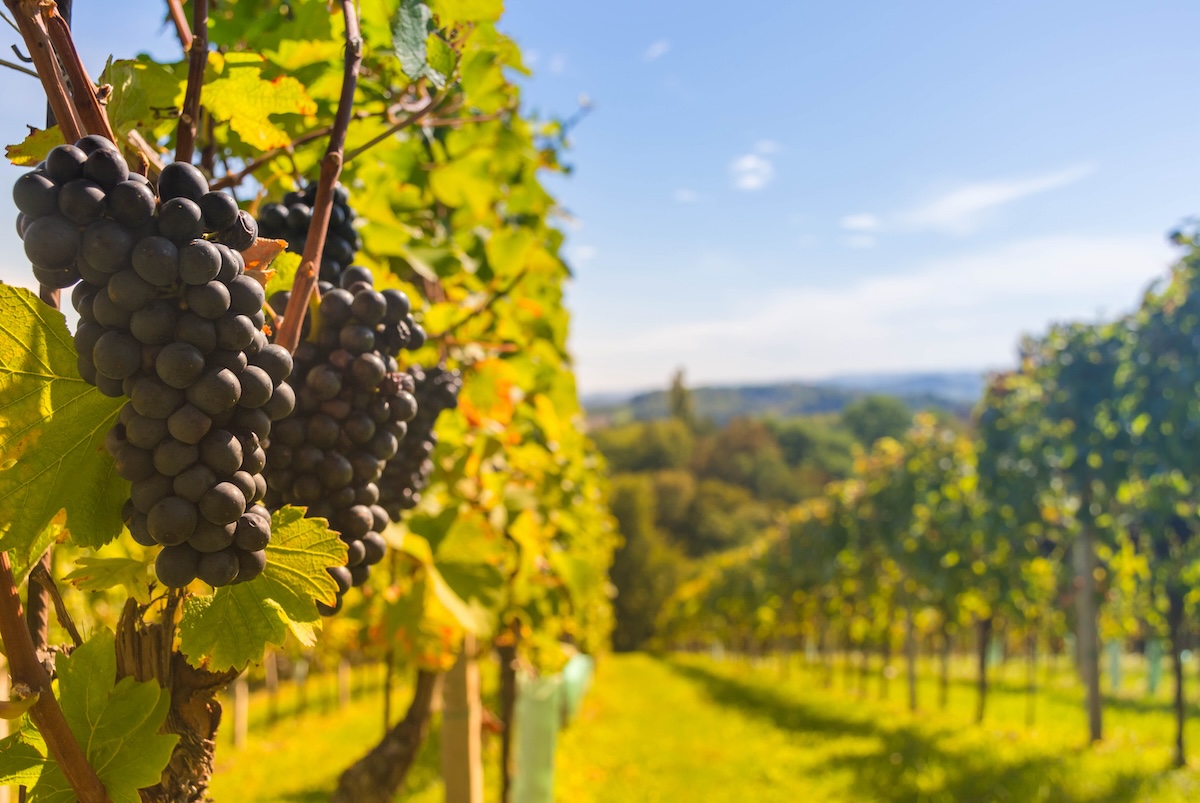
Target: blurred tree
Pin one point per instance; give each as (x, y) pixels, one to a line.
(646, 445)
(680, 400)
(646, 568)
(873, 417)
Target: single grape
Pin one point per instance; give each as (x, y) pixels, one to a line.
(172, 520)
(35, 196)
(182, 180)
(64, 164)
(156, 259)
(51, 241)
(81, 201)
(220, 210)
(132, 203)
(177, 566)
(199, 262)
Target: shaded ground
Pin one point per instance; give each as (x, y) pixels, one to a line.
(691, 729)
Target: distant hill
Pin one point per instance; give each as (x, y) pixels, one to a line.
(953, 391)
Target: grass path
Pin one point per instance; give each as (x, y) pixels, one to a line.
(662, 730)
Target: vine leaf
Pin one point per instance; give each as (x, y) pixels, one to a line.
(34, 147)
(411, 38)
(117, 723)
(100, 574)
(282, 273)
(233, 627)
(52, 428)
(22, 756)
(146, 96)
(469, 10)
(239, 94)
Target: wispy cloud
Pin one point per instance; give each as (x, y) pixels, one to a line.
(766, 147)
(860, 222)
(751, 171)
(686, 196)
(961, 312)
(657, 50)
(961, 211)
(531, 58)
(558, 64)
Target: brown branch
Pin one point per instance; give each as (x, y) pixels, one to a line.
(37, 607)
(41, 576)
(17, 67)
(92, 115)
(37, 39)
(400, 125)
(234, 179)
(150, 163)
(47, 716)
(175, 7)
(331, 169)
(189, 118)
(484, 307)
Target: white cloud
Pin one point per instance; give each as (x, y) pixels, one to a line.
(766, 147)
(964, 312)
(751, 172)
(558, 63)
(961, 210)
(860, 241)
(657, 50)
(531, 58)
(686, 196)
(860, 222)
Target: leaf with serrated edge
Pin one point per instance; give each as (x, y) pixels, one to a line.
(34, 147)
(52, 428)
(100, 574)
(233, 627)
(239, 95)
(117, 723)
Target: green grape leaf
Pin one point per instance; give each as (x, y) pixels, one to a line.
(116, 722)
(410, 40)
(100, 574)
(452, 11)
(22, 756)
(146, 96)
(283, 273)
(52, 428)
(34, 147)
(237, 93)
(233, 627)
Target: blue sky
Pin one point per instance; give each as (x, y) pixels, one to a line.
(785, 190)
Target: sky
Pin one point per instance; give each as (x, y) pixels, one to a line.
(797, 190)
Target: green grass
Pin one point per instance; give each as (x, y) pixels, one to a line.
(691, 729)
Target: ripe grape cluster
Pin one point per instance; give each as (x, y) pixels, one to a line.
(352, 409)
(169, 321)
(407, 474)
(291, 219)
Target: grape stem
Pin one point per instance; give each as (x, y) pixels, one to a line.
(400, 125)
(37, 39)
(189, 118)
(47, 716)
(175, 8)
(10, 65)
(41, 576)
(331, 169)
(92, 115)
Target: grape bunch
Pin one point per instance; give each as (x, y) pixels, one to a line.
(407, 474)
(352, 409)
(169, 321)
(291, 219)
